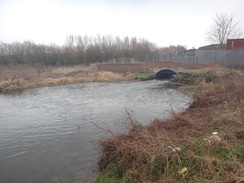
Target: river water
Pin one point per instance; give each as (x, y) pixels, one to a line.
(49, 134)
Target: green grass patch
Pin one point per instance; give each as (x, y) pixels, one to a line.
(109, 175)
(140, 75)
(191, 70)
(239, 151)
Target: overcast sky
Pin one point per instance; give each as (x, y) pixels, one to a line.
(164, 22)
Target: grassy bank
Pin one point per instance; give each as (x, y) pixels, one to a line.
(184, 148)
(19, 77)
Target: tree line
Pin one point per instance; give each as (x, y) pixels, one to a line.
(80, 50)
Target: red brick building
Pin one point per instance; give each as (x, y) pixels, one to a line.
(235, 44)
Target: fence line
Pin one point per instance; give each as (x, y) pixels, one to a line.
(223, 57)
(176, 58)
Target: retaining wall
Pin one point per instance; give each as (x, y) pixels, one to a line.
(138, 67)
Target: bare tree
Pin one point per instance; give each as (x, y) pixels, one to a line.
(224, 27)
(77, 50)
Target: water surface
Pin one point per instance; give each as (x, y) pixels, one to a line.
(48, 134)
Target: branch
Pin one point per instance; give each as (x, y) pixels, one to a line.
(106, 130)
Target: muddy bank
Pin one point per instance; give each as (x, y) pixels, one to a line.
(203, 144)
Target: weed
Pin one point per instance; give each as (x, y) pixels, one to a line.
(109, 175)
(239, 150)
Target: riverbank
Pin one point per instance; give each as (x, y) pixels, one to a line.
(203, 144)
(19, 77)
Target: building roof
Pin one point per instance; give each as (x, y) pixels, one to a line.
(235, 44)
(213, 47)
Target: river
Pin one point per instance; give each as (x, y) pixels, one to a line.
(49, 134)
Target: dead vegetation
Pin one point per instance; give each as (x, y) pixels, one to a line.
(179, 149)
(18, 77)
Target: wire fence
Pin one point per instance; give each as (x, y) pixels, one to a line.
(176, 58)
(223, 57)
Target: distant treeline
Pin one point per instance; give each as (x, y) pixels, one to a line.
(79, 50)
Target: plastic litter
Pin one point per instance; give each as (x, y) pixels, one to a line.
(174, 149)
(213, 138)
(183, 170)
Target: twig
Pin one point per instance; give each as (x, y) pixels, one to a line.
(106, 130)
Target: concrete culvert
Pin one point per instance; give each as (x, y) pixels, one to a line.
(165, 74)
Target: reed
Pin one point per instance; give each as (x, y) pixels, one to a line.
(19, 77)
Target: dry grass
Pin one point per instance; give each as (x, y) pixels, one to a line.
(17, 77)
(150, 153)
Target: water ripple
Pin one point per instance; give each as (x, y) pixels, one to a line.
(54, 126)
